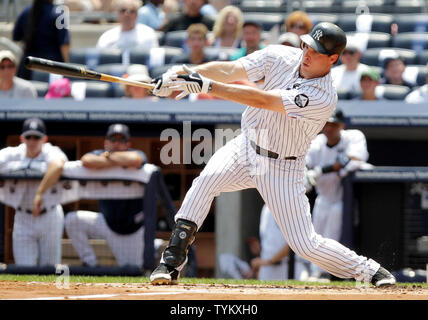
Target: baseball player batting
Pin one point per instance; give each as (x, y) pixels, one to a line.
(282, 118)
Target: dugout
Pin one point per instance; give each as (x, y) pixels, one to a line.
(396, 134)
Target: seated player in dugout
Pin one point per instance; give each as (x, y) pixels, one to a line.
(120, 221)
(282, 117)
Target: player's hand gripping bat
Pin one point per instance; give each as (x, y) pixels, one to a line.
(75, 71)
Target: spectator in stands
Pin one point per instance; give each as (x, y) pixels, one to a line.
(41, 28)
(298, 22)
(289, 39)
(169, 8)
(58, 89)
(251, 36)
(369, 80)
(209, 10)
(138, 73)
(151, 14)
(121, 222)
(393, 72)
(227, 30)
(191, 14)
(10, 85)
(39, 219)
(196, 41)
(346, 77)
(419, 95)
(129, 34)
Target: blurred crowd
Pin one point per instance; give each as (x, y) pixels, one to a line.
(146, 38)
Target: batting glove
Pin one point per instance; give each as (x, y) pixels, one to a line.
(313, 175)
(192, 82)
(164, 82)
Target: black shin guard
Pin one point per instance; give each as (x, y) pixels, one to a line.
(181, 238)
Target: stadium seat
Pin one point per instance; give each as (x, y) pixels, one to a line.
(261, 6)
(344, 94)
(411, 22)
(359, 7)
(41, 87)
(160, 35)
(416, 41)
(392, 92)
(155, 56)
(158, 71)
(114, 69)
(40, 76)
(321, 6)
(365, 22)
(92, 57)
(415, 74)
(322, 17)
(95, 89)
(222, 53)
(376, 56)
(267, 20)
(175, 39)
(118, 91)
(371, 40)
(409, 6)
(422, 57)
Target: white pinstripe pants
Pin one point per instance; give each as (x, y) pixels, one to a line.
(83, 225)
(37, 240)
(236, 166)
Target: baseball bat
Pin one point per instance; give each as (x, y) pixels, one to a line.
(74, 71)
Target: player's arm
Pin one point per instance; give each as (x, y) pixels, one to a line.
(112, 159)
(52, 175)
(254, 97)
(256, 263)
(221, 71)
(130, 159)
(211, 80)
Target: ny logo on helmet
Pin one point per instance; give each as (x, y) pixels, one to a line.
(33, 125)
(317, 35)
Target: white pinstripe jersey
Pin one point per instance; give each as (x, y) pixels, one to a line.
(308, 103)
(352, 143)
(19, 153)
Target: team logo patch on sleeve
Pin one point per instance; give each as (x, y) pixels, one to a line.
(301, 100)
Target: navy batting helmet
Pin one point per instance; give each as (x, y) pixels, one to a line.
(326, 38)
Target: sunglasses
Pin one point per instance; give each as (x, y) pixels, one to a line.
(297, 25)
(130, 11)
(349, 52)
(32, 137)
(8, 66)
(117, 139)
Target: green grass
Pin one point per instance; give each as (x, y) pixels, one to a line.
(109, 279)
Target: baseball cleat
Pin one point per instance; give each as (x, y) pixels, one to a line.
(164, 275)
(383, 278)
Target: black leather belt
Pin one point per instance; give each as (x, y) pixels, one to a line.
(29, 211)
(267, 153)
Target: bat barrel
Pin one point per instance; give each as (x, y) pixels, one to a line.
(65, 69)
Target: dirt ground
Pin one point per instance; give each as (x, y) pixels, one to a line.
(18, 290)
